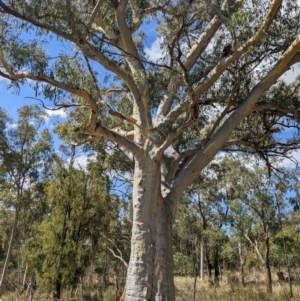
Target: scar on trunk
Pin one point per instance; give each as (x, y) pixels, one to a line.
(158, 272)
(138, 247)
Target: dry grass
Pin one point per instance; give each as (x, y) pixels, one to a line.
(225, 292)
(185, 292)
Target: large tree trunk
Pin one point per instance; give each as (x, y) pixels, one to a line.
(150, 270)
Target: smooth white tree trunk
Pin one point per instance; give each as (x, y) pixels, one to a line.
(150, 270)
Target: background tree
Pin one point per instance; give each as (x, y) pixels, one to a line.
(80, 210)
(254, 210)
(173, 116)
(211, 206)
(25, 150)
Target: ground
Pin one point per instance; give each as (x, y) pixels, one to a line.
(255, 290)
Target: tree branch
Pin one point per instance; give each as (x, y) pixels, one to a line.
(255, 247)
(138, 16)
(274, 108)
(8, 10)
(225, 111)
(217, 10)
(240, 142)
(119, 257)
(226, 62)
(134, 60)
(115, 255)
(48, 80)
(212, 77)
(89, 50)
(181, 129)
(191, 58)
(191, 171)
(94, 13)
(205, 37)
(93, 128)
(113, 135)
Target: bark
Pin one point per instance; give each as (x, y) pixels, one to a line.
(150, 270)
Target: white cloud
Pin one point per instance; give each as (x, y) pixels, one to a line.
(13, 125)
(61, 113)
(155, 51)
(287, 163)
(81, 161)
(291, 75)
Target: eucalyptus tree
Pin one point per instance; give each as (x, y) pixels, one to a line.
(254, 211)
(284, 250)
(215, 88)
(210, 204)
(25, 150)
(187, 234)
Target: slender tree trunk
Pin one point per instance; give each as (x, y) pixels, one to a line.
(209, 266)
(195, 285)
(81, 288)
(201, 262)
(24, 283)
(57, 288)
(150, 271)
(242, 264)
(242, 274)
(216, 267)
(267, 265)
(9, 251)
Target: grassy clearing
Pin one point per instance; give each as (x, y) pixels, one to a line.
(185, 292)
(225, 292)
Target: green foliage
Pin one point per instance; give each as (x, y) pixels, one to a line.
(69, 236)
(183, 263)
(109, 295)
